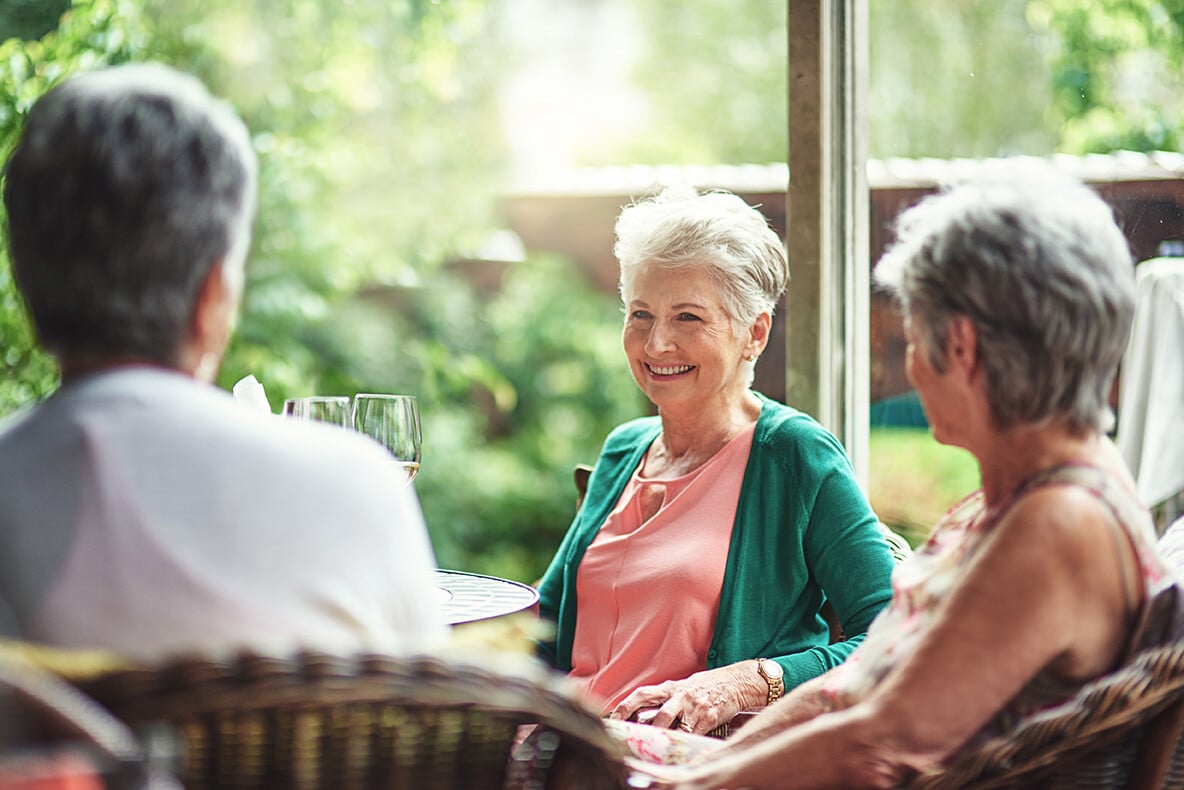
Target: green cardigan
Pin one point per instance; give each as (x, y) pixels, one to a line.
(804, 533)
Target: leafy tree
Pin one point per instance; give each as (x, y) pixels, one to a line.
(363, 115)
(30, 19)
(551, 380)
(96, 32)
(1117, 72)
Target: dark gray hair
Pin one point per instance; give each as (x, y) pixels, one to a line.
(715, 230)
(1036, 261)
(128, 184)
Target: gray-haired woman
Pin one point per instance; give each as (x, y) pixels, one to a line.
(1018, 293)
(690, 582)
(142, 510)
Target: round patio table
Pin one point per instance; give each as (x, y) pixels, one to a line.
(468, 597)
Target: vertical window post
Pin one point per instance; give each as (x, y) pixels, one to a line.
(827, 337)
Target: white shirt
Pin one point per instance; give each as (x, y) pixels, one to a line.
(1151, 385)
(149, 514)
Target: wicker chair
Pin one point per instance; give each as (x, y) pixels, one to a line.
(315, 722)
(1122, 730)
(43, 715)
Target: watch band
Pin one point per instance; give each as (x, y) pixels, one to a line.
(772, 673)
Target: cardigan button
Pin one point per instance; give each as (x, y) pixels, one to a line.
(711, 654)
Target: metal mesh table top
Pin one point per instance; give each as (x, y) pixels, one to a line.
(467, 597)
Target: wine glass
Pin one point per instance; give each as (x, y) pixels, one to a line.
(392, 421)
(332, 409)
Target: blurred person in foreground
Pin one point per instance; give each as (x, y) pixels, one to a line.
(1018, 296)
(689, 585)
(142, 510)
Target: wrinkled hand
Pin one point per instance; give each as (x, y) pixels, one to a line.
(701, 702)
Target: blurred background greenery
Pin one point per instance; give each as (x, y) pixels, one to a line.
(388, 129)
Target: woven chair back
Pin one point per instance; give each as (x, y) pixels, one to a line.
(319, 722)
(52, 731)
(1092, 740)
(1121, 730)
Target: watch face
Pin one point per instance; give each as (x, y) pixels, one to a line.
(771, 669)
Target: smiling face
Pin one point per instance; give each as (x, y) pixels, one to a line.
(682, 346)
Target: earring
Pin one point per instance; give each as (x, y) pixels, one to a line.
(750, 358)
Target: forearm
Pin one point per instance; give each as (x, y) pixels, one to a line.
(801, 705)
(839, 749)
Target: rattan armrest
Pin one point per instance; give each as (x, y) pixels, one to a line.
(315, 722)
(1090, 740)
(44, 718)
(1154, 758)
(53, 709)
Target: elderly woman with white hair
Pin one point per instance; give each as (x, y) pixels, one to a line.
(1018, 296)
(691, 580)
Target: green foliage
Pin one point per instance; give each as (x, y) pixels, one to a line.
(913, 480)
(555, 382)
(30, 19)
(1117, 74)
(96, 32)
(26, 372)
(363, 116)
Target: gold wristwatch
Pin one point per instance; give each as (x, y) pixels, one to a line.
(772, 672)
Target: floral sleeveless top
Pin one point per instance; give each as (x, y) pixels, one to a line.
(920, 584)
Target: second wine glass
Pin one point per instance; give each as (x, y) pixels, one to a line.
(392, 421)
(321, 408)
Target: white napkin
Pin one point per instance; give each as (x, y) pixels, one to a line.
(249, 392)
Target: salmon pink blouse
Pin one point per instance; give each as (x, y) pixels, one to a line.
(649, 584)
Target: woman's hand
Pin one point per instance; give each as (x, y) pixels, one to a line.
(701, 702)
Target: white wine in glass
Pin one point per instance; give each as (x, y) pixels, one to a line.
(393, 422)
